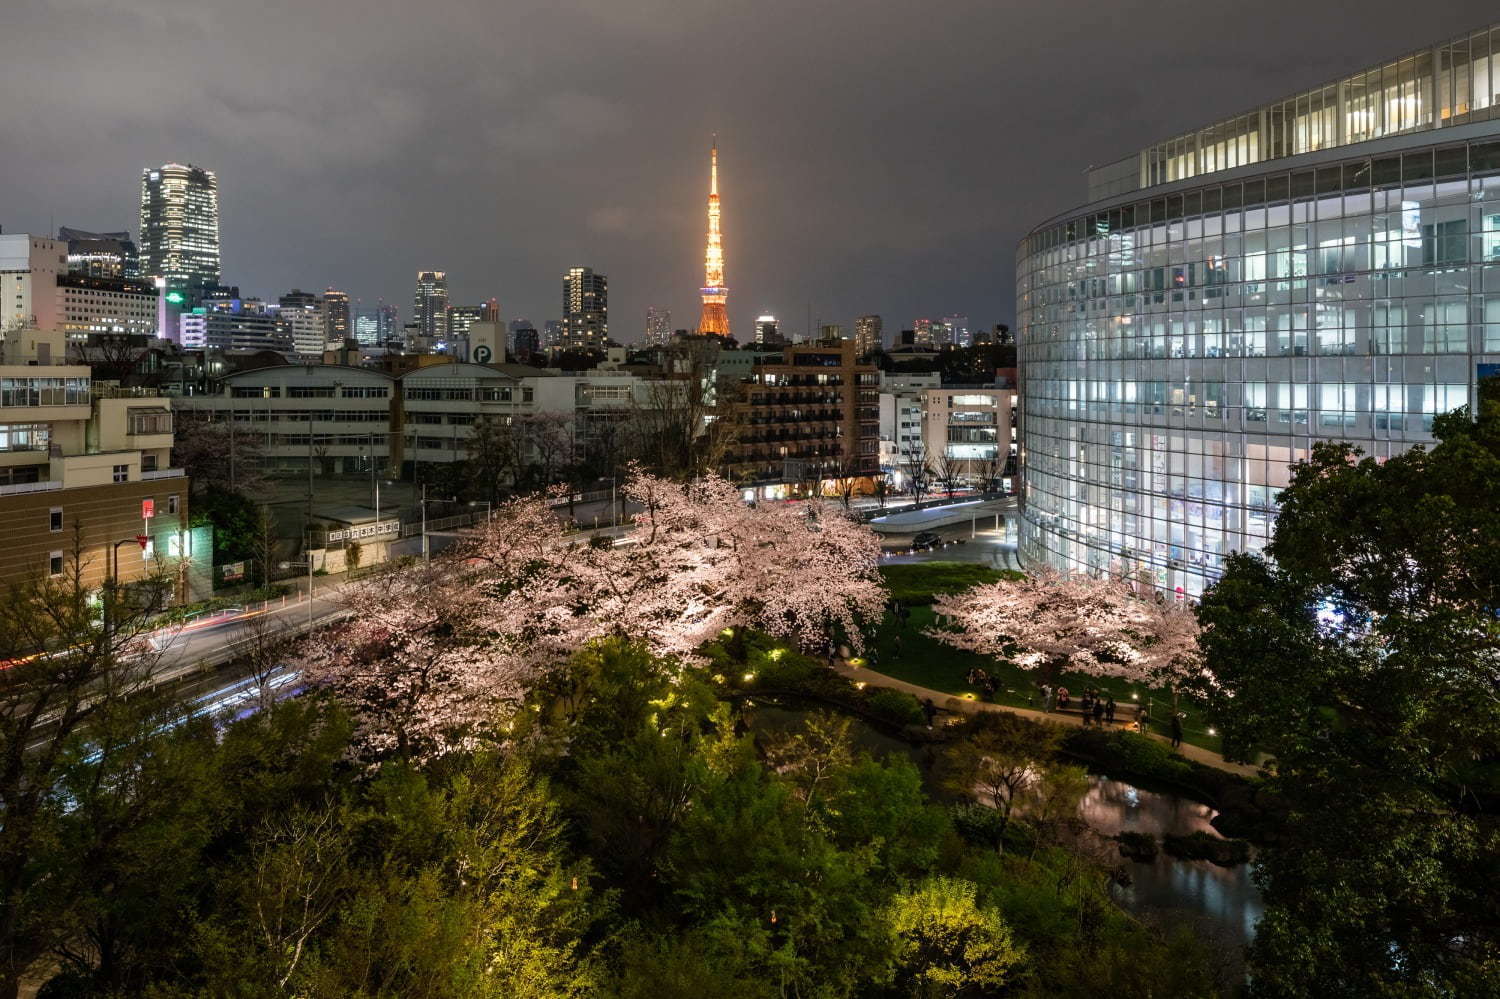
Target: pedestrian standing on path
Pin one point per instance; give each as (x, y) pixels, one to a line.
(1176, 730)
(1046, 698)
(1109, 710)
(1098, 712)
(929, 711)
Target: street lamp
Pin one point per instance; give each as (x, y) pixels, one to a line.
(488, 509)
(113, 583)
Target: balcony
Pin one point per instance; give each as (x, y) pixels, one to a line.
(20, 488)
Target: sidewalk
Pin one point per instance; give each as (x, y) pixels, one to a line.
(950, 701)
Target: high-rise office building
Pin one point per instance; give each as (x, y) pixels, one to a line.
(461, 317)
(585, 309)
(303, 315)
(658, 326)
(867, 335)
(1317, 268)
(101, 254)
(524, 340)
(338, 323)
(715, 317)
(375, 326)
(490, 311)
(768, 331)
(833, 331)
(180, 229)
(927, 331)
(956, 331)
(429, 304)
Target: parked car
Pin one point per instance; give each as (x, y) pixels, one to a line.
(926, 541)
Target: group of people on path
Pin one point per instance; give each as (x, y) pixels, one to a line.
(1095, 706)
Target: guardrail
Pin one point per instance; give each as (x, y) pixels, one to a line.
(30, 487)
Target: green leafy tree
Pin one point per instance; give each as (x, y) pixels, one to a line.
(947, 945)
(78, 695)
(1001, 758)
(1361, 654)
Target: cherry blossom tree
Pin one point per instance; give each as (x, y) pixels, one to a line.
(1051, 622)
(432, 658)
(415, 665)
(796, 571)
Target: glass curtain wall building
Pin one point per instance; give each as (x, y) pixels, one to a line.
(180, 228)
(1191, 332)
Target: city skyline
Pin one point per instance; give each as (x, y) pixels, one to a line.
(333, 175)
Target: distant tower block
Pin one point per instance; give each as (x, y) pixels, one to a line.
(715, 318)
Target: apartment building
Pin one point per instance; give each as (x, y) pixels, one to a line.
(83, 478)
(901, 429)
(807, 415)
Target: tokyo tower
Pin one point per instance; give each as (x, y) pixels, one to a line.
(715, 319)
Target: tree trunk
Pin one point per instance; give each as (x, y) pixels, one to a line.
(739, 642)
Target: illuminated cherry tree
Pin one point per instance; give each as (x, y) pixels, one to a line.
(433, 658)
(797, 571)
(1051, 622)
(415, 666)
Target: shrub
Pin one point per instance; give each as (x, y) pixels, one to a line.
(977, 824)
(1129, 753)
(1204, 846)
(896, 707)
(1137, 846)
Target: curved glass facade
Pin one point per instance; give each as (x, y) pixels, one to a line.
(1180, 349)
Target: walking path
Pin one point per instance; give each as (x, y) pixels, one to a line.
(949, 701)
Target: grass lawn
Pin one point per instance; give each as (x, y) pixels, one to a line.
(908, 654)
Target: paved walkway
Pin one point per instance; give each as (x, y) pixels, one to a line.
(949, 701)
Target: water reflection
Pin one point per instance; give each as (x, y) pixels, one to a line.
(1222, 902)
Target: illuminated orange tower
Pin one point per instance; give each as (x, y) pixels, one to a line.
(715, 319)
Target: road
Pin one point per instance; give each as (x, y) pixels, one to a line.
(195, 655)
(961, 543)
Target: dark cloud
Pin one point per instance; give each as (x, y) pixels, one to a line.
(876, 157)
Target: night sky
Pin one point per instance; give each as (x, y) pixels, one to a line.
(875, 157)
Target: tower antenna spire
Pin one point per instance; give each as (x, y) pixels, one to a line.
(715, 318)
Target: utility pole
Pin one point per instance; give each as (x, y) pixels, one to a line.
(425, 557)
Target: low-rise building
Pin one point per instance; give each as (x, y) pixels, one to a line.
(418, 410)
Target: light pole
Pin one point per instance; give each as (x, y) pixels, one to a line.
(111, 585)
(488, 509)
(309, 563)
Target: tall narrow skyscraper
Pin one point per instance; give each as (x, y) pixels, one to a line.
(429, 305)
(180, 228)
(658, 326)
(338, 322)
(867, 335)
(715, 317)
(585, 309)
